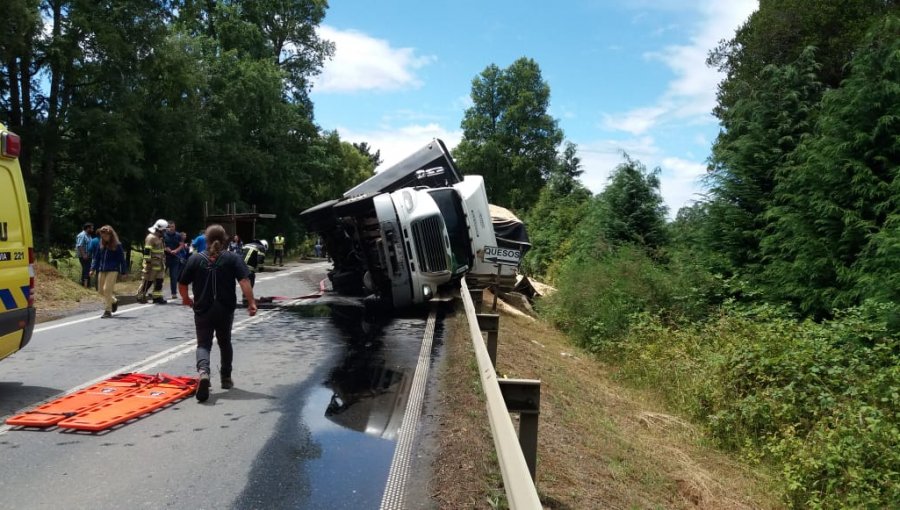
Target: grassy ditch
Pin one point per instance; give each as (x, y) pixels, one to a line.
(602, 444)
(815, 402)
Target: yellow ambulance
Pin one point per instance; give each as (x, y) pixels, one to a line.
(16, 250)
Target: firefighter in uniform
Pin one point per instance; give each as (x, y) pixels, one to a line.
(254, 253)
(279, 250)
(153, 272)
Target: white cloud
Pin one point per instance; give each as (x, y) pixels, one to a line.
(398, 143)
(691, 94)
(680, 179)
(363, 62)
(680, 182)
(636, 121)
(599, 158)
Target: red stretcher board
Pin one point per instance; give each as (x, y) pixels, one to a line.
(165, 390)
(53, 412)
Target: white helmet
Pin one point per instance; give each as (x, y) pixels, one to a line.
(265, 245)
(159, 225)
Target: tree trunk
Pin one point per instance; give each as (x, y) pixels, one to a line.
(51, 136)
(15, 108)
(27, 112)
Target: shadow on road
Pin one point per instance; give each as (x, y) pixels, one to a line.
(14, 396)
(237, 394)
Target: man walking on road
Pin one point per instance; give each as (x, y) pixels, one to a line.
(212, 275)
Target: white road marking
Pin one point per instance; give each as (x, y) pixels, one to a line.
(133, 308)
(85, 319)
(395, 490)
(292, 271)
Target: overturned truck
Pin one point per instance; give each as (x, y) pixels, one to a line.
(412, 229)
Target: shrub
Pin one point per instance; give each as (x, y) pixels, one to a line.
(598, 297)
(819, 401)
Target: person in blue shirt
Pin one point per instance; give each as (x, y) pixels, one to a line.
(108, 261)
(93, 246)
(82, 240)
(199, 242)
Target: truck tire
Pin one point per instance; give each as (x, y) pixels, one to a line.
(347, 282)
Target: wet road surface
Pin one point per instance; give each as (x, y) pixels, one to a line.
(312, 420)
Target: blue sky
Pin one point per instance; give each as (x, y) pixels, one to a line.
(623, 75)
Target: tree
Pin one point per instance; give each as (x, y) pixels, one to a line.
(552, 220)
(551, 225)
(508, 136)
(365, 150)
(780, 30)
(631, 207)
(564, 176)
(834, 236)
(759, 134)
(18, 38)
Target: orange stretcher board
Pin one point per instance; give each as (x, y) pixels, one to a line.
(165, 390)
(53, 412)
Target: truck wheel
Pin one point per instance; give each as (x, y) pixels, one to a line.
(348, 282)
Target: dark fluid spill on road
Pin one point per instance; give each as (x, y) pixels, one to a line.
(351, 415)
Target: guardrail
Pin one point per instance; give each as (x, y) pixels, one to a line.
(510, 395)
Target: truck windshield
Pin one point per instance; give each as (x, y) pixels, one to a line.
(449, 203)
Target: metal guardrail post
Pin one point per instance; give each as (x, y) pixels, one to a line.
(517, 479)
(490, 323)
(523, 396)
(477, 298)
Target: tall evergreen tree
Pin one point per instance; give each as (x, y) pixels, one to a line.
(780, 30)
(630, 210)
(759, 133)
(835, 233)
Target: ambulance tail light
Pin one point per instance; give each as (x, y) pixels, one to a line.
(10, 145)
(30, 276)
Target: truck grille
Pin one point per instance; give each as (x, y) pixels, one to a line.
(428, 237)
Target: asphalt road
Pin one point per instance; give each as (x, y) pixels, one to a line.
(311, 422)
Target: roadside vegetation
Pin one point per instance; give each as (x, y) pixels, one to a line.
(601, 443)
(767, 313)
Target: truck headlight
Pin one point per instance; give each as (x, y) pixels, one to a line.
(426, 292)
(408, 201)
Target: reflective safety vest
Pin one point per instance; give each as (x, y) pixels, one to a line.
(251, 257)
(279, 242)
(154, 252)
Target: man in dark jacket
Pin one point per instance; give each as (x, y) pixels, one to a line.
(172, 240)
